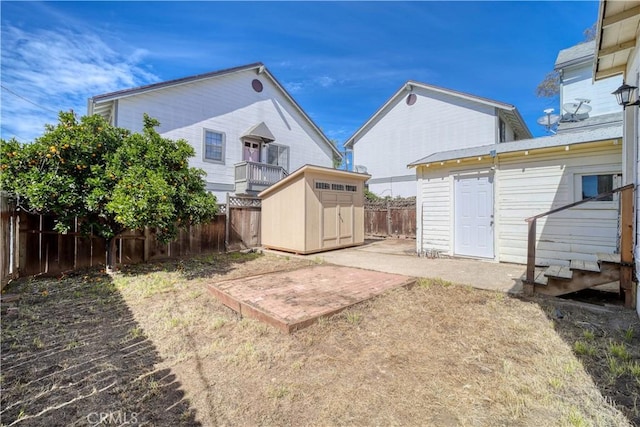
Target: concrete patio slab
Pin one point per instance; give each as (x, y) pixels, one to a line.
(398, 256)
(292, 300)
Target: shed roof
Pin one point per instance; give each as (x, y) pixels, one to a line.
(611, 132)
(104, 104)
(338, 173)
(509, 111)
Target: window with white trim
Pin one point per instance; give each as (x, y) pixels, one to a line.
(213, 146)
(278, 155)
(592, 185)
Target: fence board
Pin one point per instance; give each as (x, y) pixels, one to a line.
(38, 249)
(396, 217)
(9, 258)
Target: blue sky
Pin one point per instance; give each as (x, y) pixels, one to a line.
(339, 60)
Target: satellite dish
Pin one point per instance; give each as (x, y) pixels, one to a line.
(576, 108)
(576, 111)
(549, 120)
(360, 169)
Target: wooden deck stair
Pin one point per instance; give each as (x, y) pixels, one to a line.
(607, 270)
(558, 280)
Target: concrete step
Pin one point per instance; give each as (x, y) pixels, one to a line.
(559, 272)
(610, 258)
(581, 265)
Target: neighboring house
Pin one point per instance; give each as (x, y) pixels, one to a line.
(618, 53)
(421, 119)
(474, 201)
(247, 131)
(575, 66)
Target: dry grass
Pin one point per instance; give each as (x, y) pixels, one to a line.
(435, 354)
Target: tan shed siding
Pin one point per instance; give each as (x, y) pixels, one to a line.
(283, 217)
(530, 185)
(313, 230)
(435, 193)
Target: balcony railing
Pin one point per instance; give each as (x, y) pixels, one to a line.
(252, 177)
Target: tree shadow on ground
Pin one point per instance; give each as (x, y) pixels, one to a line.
(193, 267)
(74, 355)
(606, 339)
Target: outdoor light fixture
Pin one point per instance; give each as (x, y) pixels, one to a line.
(623, 95)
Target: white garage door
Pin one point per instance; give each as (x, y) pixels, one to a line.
(474, 216)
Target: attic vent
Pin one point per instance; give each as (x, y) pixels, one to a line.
(256, 85)
(411, 99)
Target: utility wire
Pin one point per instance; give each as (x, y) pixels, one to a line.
(28, 100)
(13, 135)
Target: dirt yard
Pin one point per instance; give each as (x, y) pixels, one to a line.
(150, 346)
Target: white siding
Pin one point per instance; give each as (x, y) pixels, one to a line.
(526, 186)
(435, 188)
(404, 133)
(577, 83)
(229, 105)
(530, 185)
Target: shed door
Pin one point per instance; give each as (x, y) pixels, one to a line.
(337, 219)
(473, 218)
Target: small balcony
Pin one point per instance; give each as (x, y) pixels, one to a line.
(251, 178)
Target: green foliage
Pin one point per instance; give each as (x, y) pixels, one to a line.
(372, 197)
(109, 178)
(583, 349)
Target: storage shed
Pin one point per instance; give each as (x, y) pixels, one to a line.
(314, 209)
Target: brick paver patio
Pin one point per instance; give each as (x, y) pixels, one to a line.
(292, 300)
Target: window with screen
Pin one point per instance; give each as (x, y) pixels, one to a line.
(213, 146)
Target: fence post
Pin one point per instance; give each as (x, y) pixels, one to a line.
(626, 246)
(227, 224)
(389, 226)
(531, 258)
(146, 244)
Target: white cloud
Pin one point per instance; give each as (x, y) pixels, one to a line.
(294, 87)
(325, 81)
(59, 70)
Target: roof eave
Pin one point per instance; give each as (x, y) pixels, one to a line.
(259, 66)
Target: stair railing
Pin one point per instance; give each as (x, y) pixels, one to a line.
(626, 234)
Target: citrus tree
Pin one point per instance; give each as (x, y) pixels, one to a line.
(109, 178)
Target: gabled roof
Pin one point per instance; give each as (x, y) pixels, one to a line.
(103, 104)
(613, 131)
(580, 53)
(509, 111)
(260, 131)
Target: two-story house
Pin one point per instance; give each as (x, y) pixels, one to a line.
(421, 119)
(246, 129)
(474, 201)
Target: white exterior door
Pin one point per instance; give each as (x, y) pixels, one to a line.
(473, 228)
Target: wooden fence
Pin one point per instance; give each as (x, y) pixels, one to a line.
(31, 247)
(390, 218)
